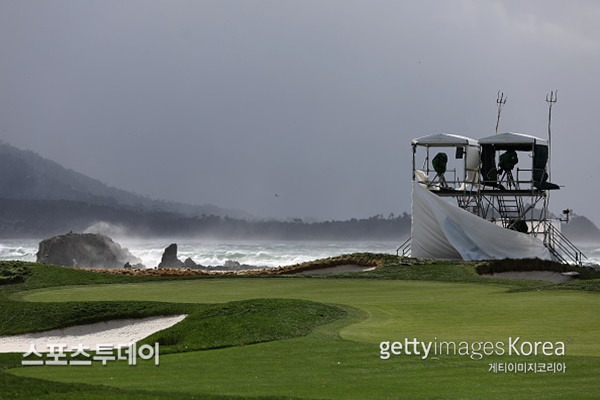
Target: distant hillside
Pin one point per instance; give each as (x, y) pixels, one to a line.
(581, 229)
(26, 175)
(44, 218)
(40, 198)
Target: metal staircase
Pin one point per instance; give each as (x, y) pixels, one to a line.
(511, 210)
(562, 248)
(404, 248)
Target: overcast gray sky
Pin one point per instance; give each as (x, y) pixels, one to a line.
(230, 102)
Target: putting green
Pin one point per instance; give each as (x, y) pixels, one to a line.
(323, 365)
(394, 309)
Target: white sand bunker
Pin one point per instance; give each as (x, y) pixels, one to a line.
(115, 332)
(339, 269)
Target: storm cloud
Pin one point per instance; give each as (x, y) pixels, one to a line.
(233, 102)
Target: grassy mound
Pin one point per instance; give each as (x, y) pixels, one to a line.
(328, 351)
(13, 272)
(244, 322)
(208, 326)
(508, 265)
(341, 360)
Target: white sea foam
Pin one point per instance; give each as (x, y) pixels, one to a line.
(213, 253)
(18, 249)
(258, 253)
(263, 253)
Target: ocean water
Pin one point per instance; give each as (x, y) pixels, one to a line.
(258, 253)
(213, 253)
(18, 249)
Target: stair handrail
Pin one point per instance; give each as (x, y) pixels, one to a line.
(405, 247)
(565, 245)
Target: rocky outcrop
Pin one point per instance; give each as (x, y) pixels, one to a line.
(169, 258)
(189, 263)
(89, 250)
(230, 264)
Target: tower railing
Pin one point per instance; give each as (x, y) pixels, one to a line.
(404, 248)
(562, 248)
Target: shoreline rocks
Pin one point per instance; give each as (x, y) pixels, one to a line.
(89, 250)
(171, 261)
(169, 258)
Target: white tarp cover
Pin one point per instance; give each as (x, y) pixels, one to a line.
(472, 161)
(441, 230)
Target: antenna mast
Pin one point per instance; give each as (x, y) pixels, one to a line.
(501, 101)
(550, 99)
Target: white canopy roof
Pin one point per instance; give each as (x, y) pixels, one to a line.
(511, 138)
(444, 139)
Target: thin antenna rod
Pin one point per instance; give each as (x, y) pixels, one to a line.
(501, 101)
(550, 99)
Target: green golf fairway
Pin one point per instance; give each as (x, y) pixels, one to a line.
(341, 360)
(395, 309)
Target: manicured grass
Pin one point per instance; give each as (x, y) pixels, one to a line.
(263, 337)
(324, 367)
(341, 360)
(245, 322)
(19, 388)
(206, 326)
(425, 309)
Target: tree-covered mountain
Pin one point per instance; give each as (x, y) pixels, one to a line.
(26, 175)
(44, 218)
(40, 198)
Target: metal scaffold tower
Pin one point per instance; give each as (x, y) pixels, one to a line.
(502, 178)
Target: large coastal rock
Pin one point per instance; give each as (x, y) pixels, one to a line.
(84, 250)
(169, 258)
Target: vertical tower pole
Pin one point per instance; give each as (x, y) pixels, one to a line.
(501, 101)
(550, 99)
